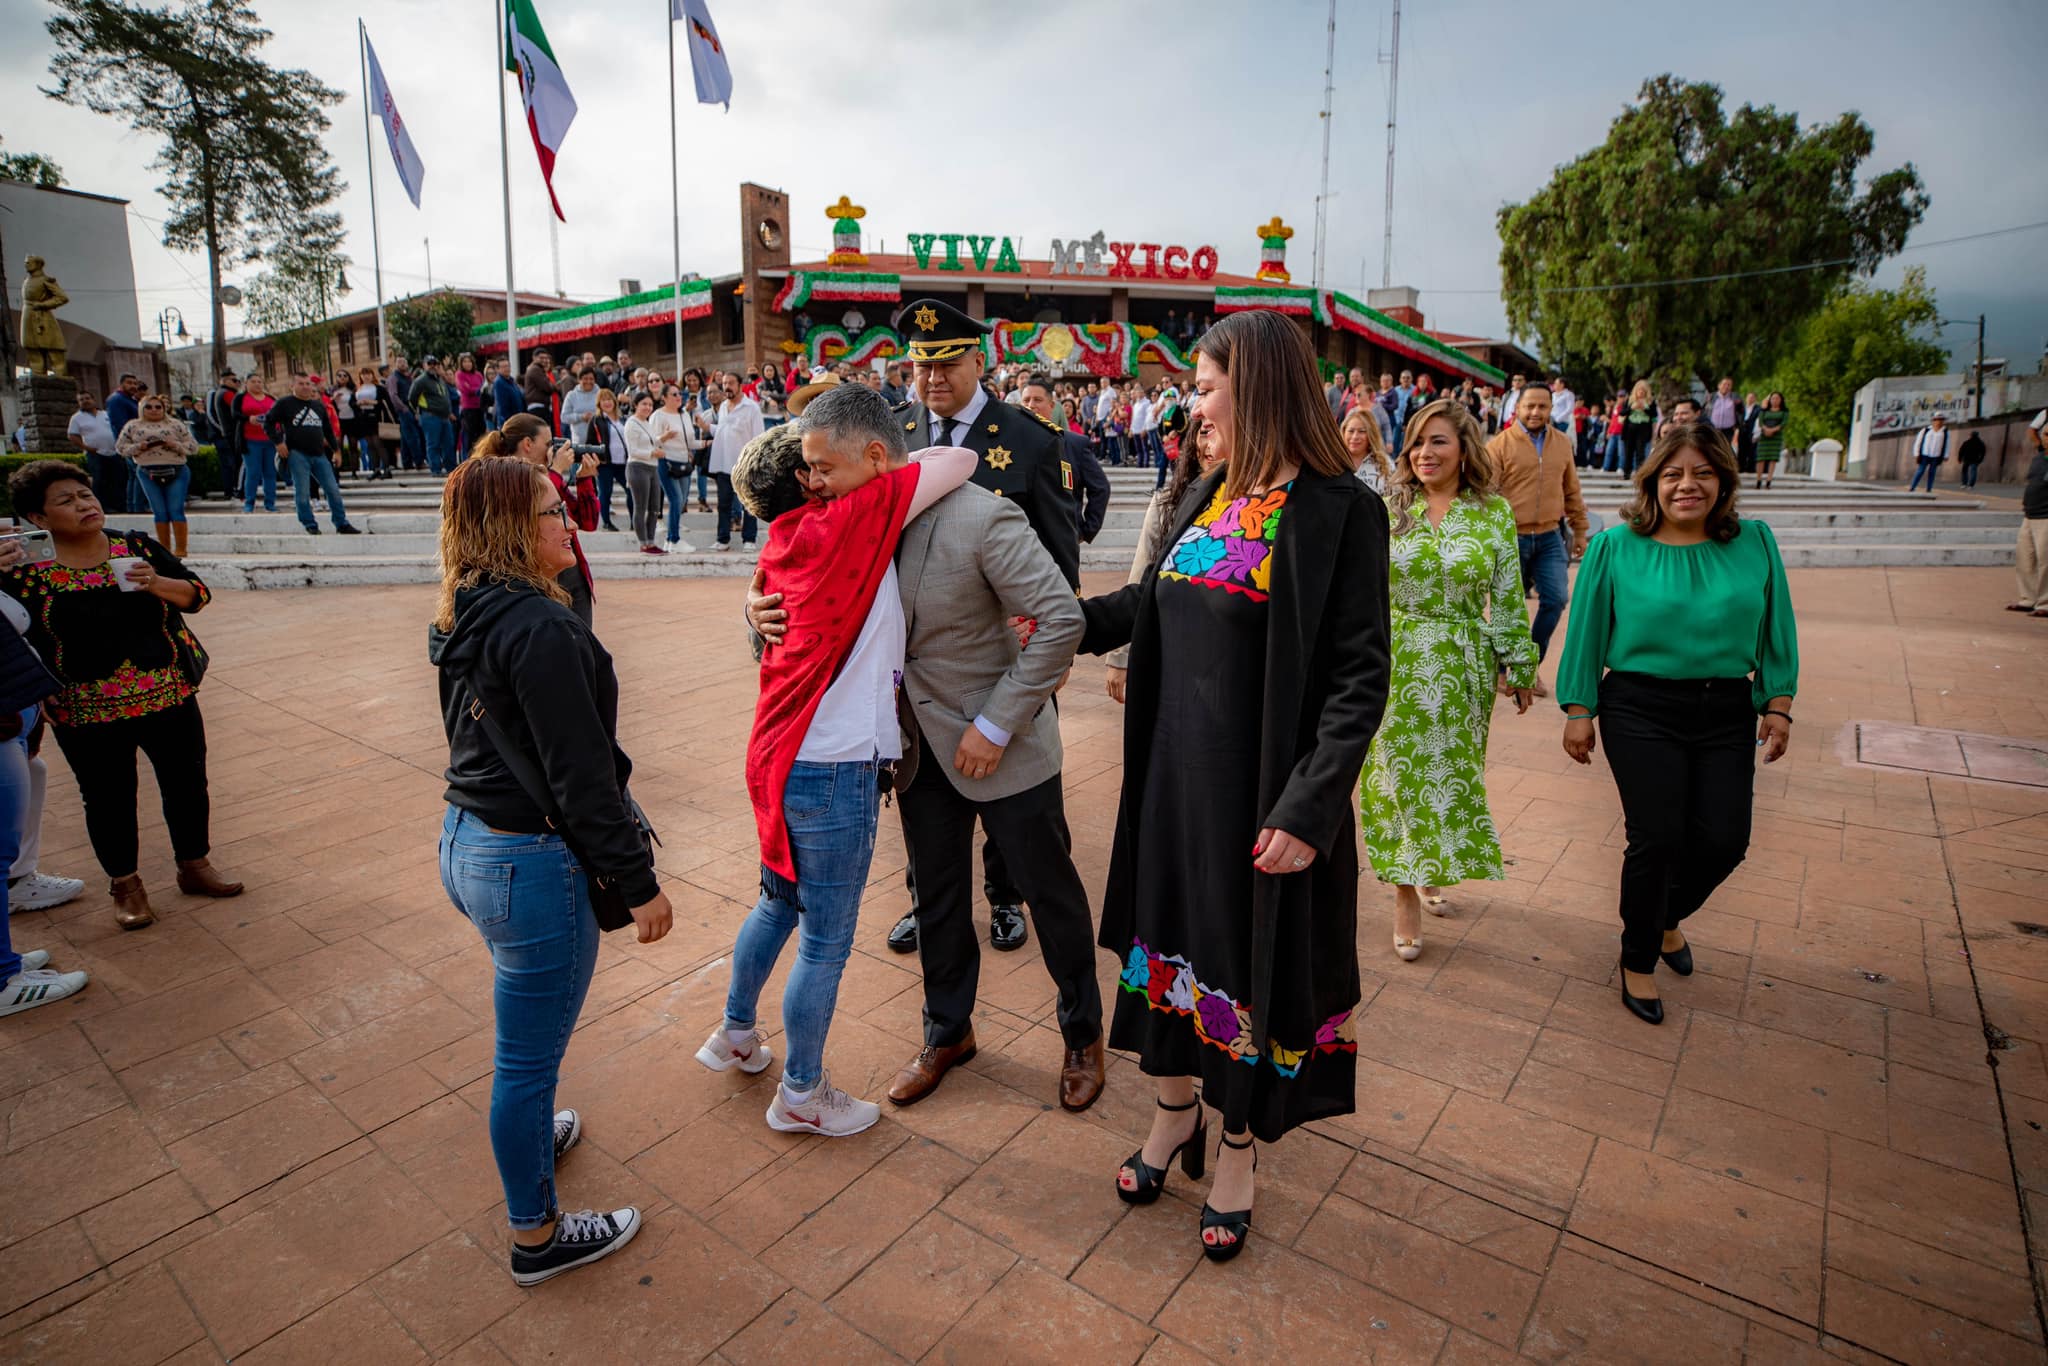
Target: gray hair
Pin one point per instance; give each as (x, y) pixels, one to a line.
(853, 415)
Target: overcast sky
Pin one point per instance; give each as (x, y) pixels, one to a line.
(1190, 122)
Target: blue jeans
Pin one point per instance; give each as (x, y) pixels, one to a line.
(259, 470)
(1613, 460)
(609, 477)
(412, 444)
(830, 810)
(15, 806)
(167, 501)
(1930, 468)
(439, 434)
(308, 470)
(526, 897)
(675, 487)
(1544, 558)
(727, 505)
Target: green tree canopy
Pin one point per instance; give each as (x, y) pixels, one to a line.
(1681, 191)
(436, 324)
(295, 294)
(31, 169)
(241, 151)
(1859, 335)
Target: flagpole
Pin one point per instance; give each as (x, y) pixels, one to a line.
(505, 180)
(675, 194)
(370, 149)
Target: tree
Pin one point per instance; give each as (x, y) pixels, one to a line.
(242, 156)
(294, 295)
(31, 169)
(1859, 335)
(1680, 192)
(436, 324)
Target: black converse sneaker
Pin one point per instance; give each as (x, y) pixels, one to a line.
(581, 1237)
(568, 1129)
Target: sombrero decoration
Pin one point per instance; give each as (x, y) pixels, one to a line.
(937, 331)
(846, 216)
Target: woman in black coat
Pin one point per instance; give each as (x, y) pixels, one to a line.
(1258, 672)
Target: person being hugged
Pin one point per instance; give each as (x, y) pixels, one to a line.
(1682, 644)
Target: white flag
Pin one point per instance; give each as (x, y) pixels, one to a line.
(707, 54)
(403, 154)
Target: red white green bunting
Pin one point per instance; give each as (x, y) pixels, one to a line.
(593, 320)
(805, 287)
(1343, 311)
(1112, 349)
(1293, 300)
(828, 343)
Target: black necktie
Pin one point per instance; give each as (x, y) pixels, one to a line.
(945, 437)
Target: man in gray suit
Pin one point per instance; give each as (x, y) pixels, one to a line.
(986, 737)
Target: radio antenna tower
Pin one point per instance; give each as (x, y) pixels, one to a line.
(1392, 60)
(1323, 197)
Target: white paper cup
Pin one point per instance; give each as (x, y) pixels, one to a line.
(121, 565)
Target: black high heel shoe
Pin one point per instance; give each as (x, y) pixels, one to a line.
(1236, 1223)
(1648, 1009)
(1678, 960)
(1193, 1155)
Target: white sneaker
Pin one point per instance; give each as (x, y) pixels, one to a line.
(681, 548)
(35, 958)
(32, 987)
(40, 891)
(827, 1110)
(719, 1054)
(721, 545)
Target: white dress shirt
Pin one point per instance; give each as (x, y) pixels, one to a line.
(738, 423)
(952, 431)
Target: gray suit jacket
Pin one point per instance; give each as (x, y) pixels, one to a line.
(966, 566)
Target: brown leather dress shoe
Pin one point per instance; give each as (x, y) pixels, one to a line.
(131, 903)
(924, 1072)
(200, 878)
(1081, 1077)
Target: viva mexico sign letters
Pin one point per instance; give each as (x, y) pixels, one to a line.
(1082, 256)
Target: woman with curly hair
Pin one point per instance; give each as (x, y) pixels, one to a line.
(1460, 634)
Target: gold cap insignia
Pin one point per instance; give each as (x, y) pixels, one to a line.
(927, 320)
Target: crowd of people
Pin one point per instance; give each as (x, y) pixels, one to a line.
(1326, 605)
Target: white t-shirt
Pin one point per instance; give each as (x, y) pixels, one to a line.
(671, 432)
(856, 719)
(1932, 445)
(94, 430)
(1141, 415)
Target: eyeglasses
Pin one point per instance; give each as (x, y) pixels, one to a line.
(559, 511)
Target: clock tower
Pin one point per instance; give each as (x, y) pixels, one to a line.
(764, 245)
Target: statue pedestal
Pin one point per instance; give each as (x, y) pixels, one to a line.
(47, 405)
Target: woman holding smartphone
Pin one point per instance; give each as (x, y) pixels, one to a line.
(160, 444)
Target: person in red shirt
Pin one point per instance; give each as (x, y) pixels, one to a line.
(259, 460)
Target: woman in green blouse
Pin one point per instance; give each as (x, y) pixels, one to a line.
(1682, 643)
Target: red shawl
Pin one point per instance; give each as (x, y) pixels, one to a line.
(827, 560)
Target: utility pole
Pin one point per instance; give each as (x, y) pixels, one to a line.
(1323, 195)
(1980, 367)
(1392, 59)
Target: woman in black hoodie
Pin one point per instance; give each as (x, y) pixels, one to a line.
(523, 678)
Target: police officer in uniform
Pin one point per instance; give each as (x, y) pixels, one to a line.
(1021, 459)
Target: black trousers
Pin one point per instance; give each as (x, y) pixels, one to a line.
(1683, 752)
(1031, 830)
(102, 757)
(996, 883)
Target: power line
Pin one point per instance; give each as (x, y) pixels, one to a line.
(1751, 274)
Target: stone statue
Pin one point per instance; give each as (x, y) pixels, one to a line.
(41, 337)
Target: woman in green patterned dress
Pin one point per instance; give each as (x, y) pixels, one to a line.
(1460, 632)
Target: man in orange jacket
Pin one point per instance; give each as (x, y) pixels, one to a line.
(1537, 479)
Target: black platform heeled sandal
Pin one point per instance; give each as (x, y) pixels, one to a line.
(1236, 1223)
(1193, 1155)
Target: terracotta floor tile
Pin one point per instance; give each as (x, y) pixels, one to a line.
(1049, 1193)
(1395, 1107)
(59, 1103)
(255, 1147)
(1296, 1309)
(830, 1248)
(270, 1038)
(43, 1058)
(1034, 1316)
(912, 1294)
(353, 1328)
(1726, 1233)
(258, 1276)
(1140, 1263)
(137, 1321)
(1594, 1011)
(350, 1058)
(1591, 1058)
(1513, 1149)
(1911, 1331)
(1997, 1299)
(142, 1216)
(1461, 1217)
(40, 1263)
(1822, 1016)
(1815, 1083)
(133, 1033)
(1460, 1045)
(796, 1331)
(1598, 1107)
(1967, 1216)
(1432, 1272)
(705, 1160)
(70, 1172)
(448, 1292)
(2029, 1134)
(1498, 984)
(1780, 1155)
(1589, 1311)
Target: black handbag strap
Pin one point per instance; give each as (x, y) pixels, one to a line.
(529, 779)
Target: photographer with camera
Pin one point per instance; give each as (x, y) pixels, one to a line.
(527, 437)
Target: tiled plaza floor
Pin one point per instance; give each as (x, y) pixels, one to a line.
(260, 1133)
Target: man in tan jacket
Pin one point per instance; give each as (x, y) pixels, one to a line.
(1534, 461)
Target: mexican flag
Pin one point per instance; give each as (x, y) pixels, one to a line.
(550, 108)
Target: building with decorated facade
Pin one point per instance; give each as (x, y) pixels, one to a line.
(1090, 306)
